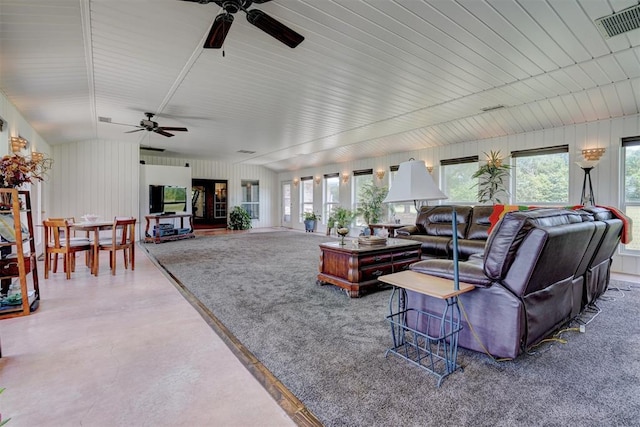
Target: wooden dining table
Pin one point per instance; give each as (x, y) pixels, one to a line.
(95, 227)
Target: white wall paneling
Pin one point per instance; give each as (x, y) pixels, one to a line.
(100, 177)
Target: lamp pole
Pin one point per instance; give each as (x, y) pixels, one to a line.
(587, 197)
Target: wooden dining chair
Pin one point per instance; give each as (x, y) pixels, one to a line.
(123, 238)
(71, 220)
(59, 240)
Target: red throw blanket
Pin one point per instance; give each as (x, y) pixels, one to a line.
(627, 224)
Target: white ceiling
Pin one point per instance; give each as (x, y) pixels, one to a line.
(372, 77)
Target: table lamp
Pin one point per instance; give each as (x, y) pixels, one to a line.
(413, 182)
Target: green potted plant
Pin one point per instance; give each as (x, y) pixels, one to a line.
(370, 202)
(493, 178)
(239, 219)
(342, 217)
(310, 219)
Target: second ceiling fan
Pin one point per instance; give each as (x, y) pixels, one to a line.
(266, 23)
(151, 126)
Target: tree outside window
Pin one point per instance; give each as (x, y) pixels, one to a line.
(331, 195)
(631, 180)
(541, 176)
(361, 178)
(457, 181)
(251, 197)
(306, 194)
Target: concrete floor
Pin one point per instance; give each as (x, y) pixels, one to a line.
(123, 350)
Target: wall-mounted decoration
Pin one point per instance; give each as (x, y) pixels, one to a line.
(17, 144)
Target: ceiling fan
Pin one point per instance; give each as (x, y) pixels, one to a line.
(266, 23)
(149, 125)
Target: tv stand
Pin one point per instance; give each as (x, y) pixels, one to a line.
(157, 236)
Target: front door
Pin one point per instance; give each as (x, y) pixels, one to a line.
(286, 205)
(209, 203)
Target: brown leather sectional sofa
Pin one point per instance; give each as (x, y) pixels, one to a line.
(433, 228)
(539, 269)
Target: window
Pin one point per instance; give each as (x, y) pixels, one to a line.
(457, 183)
(541, 176)
(331, 194)
(286, 202)
(251, 197)
(631, 180)
(403, 213)
(306, 194)
(360, 179)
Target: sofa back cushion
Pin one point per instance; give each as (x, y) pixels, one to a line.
(479, 223)
(436, 220)
(508, 234)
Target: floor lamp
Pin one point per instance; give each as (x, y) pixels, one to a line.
(587, 195)
(412, 183)
(591, 159)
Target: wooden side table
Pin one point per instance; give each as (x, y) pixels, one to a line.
(424, 339)
(392, 227)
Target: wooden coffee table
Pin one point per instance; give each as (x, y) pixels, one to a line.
(355, 267)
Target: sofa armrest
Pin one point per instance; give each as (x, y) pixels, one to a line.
(407, 230)
(468, 271)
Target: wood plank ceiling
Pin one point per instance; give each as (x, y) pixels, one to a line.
(372, 77)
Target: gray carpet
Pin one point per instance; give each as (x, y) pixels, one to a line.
(329, 349)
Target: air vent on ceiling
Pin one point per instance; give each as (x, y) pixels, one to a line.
(246, 152)
(619, 22)
(495, 107)
(104, 119)
(161, 150)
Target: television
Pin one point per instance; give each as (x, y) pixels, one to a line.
(167, 198)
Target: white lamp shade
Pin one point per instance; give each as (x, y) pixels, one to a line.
(413, 182)
(587, 164)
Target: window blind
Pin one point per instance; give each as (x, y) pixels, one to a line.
(459, 160)
(541, 151)
(631, 141)
(361, 172)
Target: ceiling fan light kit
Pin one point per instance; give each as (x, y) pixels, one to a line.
(222, 23)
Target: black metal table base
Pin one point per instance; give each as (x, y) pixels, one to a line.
(424, 339)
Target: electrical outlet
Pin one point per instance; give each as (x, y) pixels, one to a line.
(583, 329)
